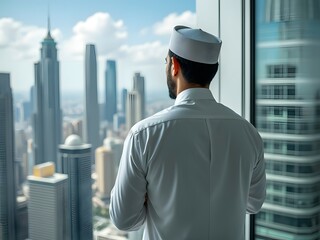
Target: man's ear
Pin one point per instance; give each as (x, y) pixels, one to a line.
(175, 66)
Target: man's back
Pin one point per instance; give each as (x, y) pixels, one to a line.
(197, 159)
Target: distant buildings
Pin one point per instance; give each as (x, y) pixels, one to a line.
(119, 121)
(78, 127)
(91, 110)
(111, 91)
(134, 111)
(75, 160)
(22, 222)
(105, 170)
(7, 179)
(138, 85)
(135, 101)
(116, 145)
(23, 112)
(21, 157)
(48, 195)
(124, 94)
(47, 113)
(30, 157)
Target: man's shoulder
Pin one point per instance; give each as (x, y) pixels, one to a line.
(212, 111)
(229, 114)
(152, 121)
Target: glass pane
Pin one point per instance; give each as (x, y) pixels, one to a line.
(287, 80)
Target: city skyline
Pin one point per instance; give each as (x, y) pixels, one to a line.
(119, 33)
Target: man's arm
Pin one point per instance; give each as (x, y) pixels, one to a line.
(257, 191)
(127, 208)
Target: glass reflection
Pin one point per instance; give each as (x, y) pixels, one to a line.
(288, 116)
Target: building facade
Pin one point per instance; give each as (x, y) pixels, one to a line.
(91, 110)
(114, 143)
(288, 117)
(133, 111)
(124, 94)
(7, 179)
(48, 194)
(106, 171)
(22, 223)
(47, 118)
(111, 91)
(75, 160)
(138, 85)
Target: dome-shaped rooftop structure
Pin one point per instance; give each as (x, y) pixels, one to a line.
(73, 140)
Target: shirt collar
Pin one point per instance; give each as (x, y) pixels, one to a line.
(194, 94)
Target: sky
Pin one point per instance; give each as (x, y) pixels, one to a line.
(135, 33)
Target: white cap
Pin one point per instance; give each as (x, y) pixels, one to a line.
(195, 45)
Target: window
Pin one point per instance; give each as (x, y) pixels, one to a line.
(291, 147)
(285, 75)
(278, 111)
(291, 91)
(281, 71)
(291, 112)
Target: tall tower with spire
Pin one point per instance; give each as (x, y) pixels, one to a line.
(47, 112)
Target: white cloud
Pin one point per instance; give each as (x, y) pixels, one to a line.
(146, 53)
(99, 29)
(164, 27)
(22, 41)
(8, 30)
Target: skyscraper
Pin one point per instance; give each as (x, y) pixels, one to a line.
(111, 90)
(75, 160)
(133, 112)
(47, 113)
(106, 171)
(138, 85)
(7, 180)
(119, 119)
(91, 110)
(32, 99)
(116, 145)
(21, 156)
(48, 193)
(124, 94)
(22, 223)
(30, 157)
(288, 113)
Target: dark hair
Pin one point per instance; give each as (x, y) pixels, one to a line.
(194, 72)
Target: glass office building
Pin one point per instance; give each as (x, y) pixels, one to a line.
(287, 116)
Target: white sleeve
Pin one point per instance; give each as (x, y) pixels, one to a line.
(127, 209)
(257, 191)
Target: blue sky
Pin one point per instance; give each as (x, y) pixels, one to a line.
(134, 33)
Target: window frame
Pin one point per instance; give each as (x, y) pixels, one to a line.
(252, 102)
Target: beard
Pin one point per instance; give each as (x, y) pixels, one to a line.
(172, 86)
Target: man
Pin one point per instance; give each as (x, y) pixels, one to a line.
(193, 170)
